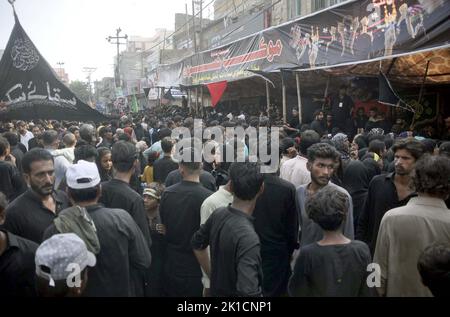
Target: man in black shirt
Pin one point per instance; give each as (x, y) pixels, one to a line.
(318, 124)
(117, 193)
(341, 108)
(15, 151)
(141, 133)
(107, 137)
(293, 125)
(37, 140)
(87, 135)
(11, 182)
(206, 179)
(276, 222)
(389, 191)
(360, 120)
(180, 214)
(16, 261)
(124, 254)
(32, 212)
(235, 268)
(165, 165)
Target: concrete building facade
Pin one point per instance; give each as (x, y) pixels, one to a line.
(62, 75)
(287, 10)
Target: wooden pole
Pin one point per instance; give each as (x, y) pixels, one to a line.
(159, 96)
(420, 94)
(268, 98)
(189, 101)
(196, 101)
(423, 82)
(201, 101)
(325, 94)
(283, 84)
(299, 96)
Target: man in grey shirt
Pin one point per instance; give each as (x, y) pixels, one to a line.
(322, 160)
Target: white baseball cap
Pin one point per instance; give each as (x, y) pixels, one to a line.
(55, 256)
(82, 175)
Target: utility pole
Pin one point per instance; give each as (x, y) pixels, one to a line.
(201, 25)
(188, 26)
(161, 52)
(193, 27)
(199, 6)
(117, 38)
(60, 70)
(89, 71)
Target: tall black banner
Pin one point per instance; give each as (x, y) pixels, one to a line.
(29, 89)
(354, 32)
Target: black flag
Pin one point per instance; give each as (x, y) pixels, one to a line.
(29, 88)
(168, 95)
(146, 91)
(387, 94)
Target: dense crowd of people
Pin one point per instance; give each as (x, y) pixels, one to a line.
(356, 208)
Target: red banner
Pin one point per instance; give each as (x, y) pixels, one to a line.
(216, 90)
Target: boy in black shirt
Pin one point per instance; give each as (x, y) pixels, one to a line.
(335, 265)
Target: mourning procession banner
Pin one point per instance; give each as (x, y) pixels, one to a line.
(354, 32)
(29, 89)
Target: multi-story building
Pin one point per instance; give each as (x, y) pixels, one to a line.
(226, 9)
(105, 93)
(234, 19)
(133, 65)
(63, 76)
(185, 26)
(286, 10)
(230, 29)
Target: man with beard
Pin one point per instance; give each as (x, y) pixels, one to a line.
(318, 124)
(389, 191)
(322, 160)
(32, 212)
(24, 134)
(406, 231)
(341, 105)
(293, 125)
(37, 140)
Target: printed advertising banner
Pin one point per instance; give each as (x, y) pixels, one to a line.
(354, 32)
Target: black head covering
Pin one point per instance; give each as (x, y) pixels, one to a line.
(356, 177)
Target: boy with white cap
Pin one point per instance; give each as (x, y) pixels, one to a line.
(61, 266)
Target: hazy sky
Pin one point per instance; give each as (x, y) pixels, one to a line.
(74, 31)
